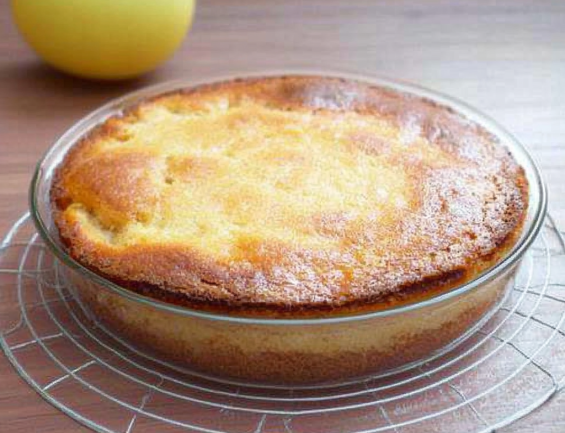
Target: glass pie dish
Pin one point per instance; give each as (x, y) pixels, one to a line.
(289, 350)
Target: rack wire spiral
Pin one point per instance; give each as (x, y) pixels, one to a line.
(507, 369)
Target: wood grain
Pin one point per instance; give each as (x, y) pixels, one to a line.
(505, 57)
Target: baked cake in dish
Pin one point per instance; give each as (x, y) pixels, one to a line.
(297, 196)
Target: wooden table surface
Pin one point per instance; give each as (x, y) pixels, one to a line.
(507, 58)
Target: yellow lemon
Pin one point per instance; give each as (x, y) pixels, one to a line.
(104, 39)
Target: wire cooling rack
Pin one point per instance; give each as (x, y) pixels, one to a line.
(507, 369)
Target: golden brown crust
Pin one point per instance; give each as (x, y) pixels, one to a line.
(298, 195)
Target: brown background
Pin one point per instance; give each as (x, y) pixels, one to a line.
(507, 58)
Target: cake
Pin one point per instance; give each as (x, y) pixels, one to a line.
(292, 195)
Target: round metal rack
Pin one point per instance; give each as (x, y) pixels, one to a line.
(511, 366)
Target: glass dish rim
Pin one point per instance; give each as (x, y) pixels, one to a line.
(114, 106)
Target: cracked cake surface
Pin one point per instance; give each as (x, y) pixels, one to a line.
(294, 194)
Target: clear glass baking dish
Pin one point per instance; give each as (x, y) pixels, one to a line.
(288, 351)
